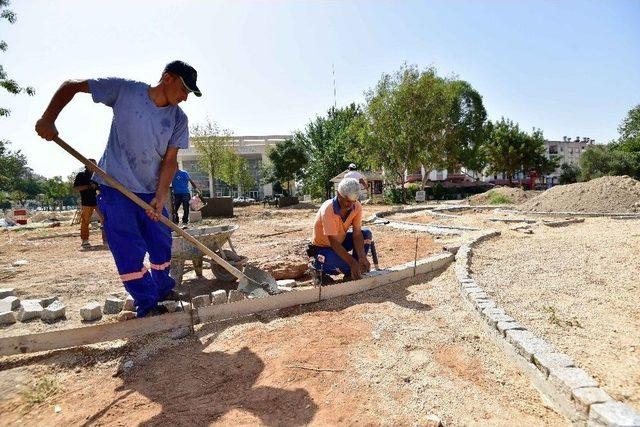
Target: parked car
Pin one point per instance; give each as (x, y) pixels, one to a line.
(243, 199)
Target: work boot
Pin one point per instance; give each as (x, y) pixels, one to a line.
(156, 311)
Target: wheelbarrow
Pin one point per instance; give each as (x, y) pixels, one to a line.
(213, 238)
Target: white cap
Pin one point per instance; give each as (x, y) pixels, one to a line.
(352, 166)
(349, 188)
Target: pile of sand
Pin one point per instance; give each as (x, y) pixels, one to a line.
(511, 195)
(611, 194)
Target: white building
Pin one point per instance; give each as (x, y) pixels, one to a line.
(252, 148)
(567, 151)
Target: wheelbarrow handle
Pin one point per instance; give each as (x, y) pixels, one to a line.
(144, 205)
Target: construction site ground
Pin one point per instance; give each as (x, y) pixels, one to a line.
(395, 355)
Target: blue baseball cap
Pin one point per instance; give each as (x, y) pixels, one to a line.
(187, 74)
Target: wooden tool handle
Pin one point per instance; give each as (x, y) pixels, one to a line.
(138, 201)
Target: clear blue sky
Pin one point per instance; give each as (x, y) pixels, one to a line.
(567, 67)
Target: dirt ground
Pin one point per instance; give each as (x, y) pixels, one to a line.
(395, 355)
(58, 266)
(577, 287)
(392, 356)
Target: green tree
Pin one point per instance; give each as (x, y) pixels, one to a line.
(465, 128)
(404, 121)
(510, 151)
(234, 171)
(13, 165)
(6, 82)
(629, 130)
(288, 159)
(214, 147)
(55, 191)
(610, 159)
(569, 174)
(326, 141)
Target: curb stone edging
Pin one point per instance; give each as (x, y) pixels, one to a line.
(571, 390)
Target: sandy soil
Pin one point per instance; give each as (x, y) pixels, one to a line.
(391, 356)
(57, 266)
(576, 287)
(605, 194)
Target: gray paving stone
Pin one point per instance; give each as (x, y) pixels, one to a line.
(183, 306)
(613, 414)
(129, 304)
(547, 361)
(484, 304)
(91, 311)
(528, 344)
(171, 306)
(587, 396)
(472, 290)
(201, 301)
(126, 315)
(569, 379)
(219, 296)
(54, 311)
(29, 309)
(113, 305)
(46, 302)
(468, 285)
(494, 315)
(7, 292)
(503, 327)
(7, 318)
(286, 283)
(9, 303)
(235, 295)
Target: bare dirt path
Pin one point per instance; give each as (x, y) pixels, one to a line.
(392, 356)
(577, 287)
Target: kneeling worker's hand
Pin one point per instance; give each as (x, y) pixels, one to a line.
(355, 269)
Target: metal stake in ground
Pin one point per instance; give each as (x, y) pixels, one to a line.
(415, 258)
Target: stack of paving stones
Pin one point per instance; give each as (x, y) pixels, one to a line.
(591, 403)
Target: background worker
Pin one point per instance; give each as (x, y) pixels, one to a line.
(88, 204)
(181, 195)
(353, 173)
(332, 241)
(147, 130)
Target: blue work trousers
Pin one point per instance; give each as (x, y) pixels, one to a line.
(330, 262)
(132, 234)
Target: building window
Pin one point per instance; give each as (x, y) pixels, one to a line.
(553, 149)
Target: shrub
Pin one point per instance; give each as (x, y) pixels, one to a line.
(392, 195)
(496, 198)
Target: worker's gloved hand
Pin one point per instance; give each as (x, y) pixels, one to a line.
(46, 129)
(156, 207)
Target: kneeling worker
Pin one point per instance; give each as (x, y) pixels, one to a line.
(332, 241)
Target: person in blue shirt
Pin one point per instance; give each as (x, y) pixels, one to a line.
(181, 195)
(147, 130)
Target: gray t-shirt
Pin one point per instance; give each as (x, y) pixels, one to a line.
(140, 133)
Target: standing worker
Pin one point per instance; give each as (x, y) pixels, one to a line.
(181, 195)
(87, 188)
(147, 129)
(353, 173)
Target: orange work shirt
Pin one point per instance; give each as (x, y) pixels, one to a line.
(329, 223)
